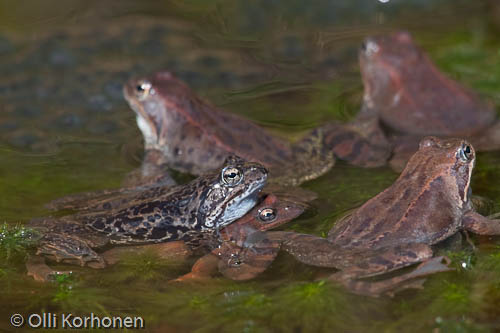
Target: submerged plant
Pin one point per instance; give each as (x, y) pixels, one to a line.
(15, 241)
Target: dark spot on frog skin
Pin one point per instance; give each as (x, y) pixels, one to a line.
(409, 254)
(383, 262)
(99, 225)
(158, 233)
(141, 231)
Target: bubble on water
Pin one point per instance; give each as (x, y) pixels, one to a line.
(384, 1)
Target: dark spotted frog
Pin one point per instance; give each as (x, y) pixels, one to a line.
(429, 202)
(159, 214)
(194, 136)
(406, 97)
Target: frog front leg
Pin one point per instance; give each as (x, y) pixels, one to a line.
(37, 268)
(411, 280)
(311, 250)
(478, 224)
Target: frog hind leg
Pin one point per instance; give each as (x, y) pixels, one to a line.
(38, 269)
(204, 268)
(311, 250)
(65, 248)
(176, 250)
(310, 160)
(360, 142)
(388, 260)
(411, 280)
(478, 224)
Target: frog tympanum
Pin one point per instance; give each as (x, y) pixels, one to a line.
(429, 202)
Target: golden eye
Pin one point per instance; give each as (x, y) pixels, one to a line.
(465, 153)
(267, 214)
(232, 176)
(143, 89)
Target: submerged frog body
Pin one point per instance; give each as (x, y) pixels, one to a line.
(407, 97)
(429, 202)
(196, 137)
(244, 250)
(158, 214)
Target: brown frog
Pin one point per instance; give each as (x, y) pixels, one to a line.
(429, 202)
(406, 98)
(193, 136)
(158, 214)
(244, 250)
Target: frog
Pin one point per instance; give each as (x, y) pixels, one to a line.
(156, 215)
(240, 252)
(429, 202)
(194, 136)
(406, 98)
(244, 250)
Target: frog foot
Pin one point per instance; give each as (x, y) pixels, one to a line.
(204, 268)
(38, 269)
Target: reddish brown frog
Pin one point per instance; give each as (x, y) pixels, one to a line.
(407, 97)
(428, 203)
(244, 250)
(193, 136)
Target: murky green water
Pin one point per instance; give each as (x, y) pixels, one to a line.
(287, 64)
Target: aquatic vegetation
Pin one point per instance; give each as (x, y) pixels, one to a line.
(15, 240)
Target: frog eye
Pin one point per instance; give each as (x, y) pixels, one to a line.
(143, 89)
(232, 176)
(465, 153)
(267, 214)
(369, 47)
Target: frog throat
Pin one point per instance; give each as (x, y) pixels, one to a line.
(235, 208)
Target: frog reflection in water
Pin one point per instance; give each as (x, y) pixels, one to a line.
(195, 137)
(156, 215)
(429, 202)
(406, 98)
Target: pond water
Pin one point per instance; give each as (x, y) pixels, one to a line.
(287, 64)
